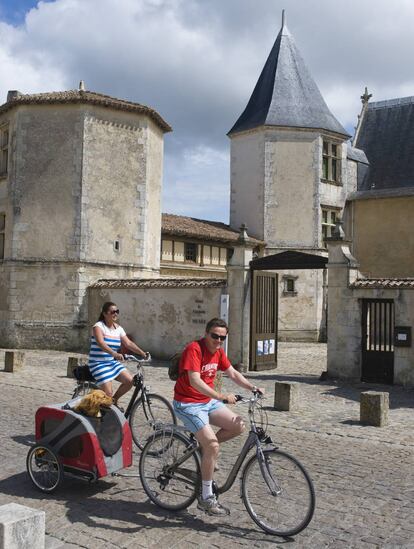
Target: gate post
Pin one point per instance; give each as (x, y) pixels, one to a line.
(344, 316)
(238, 288)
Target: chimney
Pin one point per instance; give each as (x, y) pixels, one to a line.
(12, 94)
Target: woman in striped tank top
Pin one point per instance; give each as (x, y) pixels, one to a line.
(105, 359)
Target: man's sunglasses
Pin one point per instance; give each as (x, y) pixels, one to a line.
(216, 336)
(114, 312)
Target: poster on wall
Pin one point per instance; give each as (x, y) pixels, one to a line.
(259, 350)
(266, 347)
(271, 346)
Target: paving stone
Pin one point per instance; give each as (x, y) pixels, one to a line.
(364, 476)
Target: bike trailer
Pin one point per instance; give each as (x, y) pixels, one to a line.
(68, 442)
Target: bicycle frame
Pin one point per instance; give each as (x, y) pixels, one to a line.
(138, 381)
(253, 440)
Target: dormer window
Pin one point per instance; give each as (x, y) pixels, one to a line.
(331, 162)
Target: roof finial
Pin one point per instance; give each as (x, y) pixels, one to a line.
(283, 18)
(366, 96)
(82, 86)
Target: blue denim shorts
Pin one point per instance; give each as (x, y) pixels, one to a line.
(195, 416)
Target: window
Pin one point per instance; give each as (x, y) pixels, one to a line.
(167, 250)
(4, 149)
(331, 162)
(289, 285)
(190, 252)
(2, 231)
(329, 217)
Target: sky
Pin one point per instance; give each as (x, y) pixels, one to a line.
(197, 61)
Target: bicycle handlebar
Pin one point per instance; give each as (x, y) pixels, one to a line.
(240, 398)
(133, 358)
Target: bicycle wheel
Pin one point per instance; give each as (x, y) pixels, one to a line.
(44, 468)
(168, 487)
(147, 415)
(278, 494)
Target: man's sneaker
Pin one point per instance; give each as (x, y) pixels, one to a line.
(212, 507)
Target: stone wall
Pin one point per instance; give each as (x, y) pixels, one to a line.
(344, 314)
(246, 183)
(278, 192)
(301, 315)
(82, 202)
(384, 249)
(161, 320)
(47, 303)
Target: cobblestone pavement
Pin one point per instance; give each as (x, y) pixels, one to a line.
(364, 476)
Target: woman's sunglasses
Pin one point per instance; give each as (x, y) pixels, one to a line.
(216, 336)
(114, 312)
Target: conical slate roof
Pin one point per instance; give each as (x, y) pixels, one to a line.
(286, 94)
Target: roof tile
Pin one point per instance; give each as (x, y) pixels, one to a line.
(160, 283)
(286, 94)
(80, 96)
(178, 225)
(383, 283)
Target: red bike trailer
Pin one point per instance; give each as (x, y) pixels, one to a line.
(69, 443)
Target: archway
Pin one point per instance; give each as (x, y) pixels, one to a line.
(264, 302)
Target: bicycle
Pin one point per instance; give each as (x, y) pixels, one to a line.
(276, 489)
(145, 413)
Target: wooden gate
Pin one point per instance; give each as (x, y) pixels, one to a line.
(377, 341)
(263, 344)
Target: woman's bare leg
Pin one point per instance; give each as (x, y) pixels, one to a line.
(125, 379)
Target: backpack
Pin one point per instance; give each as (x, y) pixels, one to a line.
(174, 367)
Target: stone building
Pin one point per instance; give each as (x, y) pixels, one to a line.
(291, 170)
(80, 190)
(371, 262)
(197, 247)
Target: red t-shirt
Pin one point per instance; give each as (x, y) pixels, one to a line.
(197, 358)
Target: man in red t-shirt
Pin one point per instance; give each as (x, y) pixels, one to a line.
(199, 405)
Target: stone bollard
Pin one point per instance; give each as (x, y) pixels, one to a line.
(73, 362)
(21, 527)
(286, 396)
(374, 406)
(13, 361)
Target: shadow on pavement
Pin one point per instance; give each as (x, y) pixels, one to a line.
(309, 379)
(94, 507)
(399, 397)
(26, 440)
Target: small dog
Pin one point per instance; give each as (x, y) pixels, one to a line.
(91, 404)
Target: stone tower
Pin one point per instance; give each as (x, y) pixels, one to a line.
(289, 178)
(80, 193)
